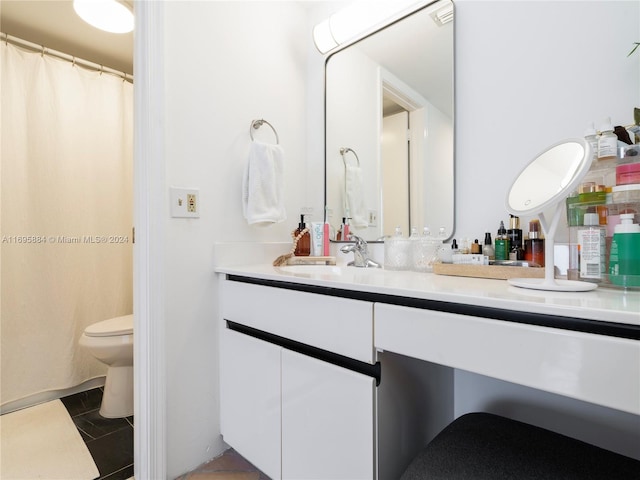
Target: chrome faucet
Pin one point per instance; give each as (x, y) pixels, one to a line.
(360, 253)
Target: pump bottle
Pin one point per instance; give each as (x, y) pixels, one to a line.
(303, 247)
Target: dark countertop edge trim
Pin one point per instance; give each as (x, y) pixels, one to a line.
(598, 327)
(370, 370)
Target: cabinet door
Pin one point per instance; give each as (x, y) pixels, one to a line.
(250, 399)
(327, 421)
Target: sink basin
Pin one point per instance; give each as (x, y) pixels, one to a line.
(325, 271)
(313, 269)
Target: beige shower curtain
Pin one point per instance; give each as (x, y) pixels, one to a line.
(66, 142)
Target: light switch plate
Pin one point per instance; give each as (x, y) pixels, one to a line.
(185, 202)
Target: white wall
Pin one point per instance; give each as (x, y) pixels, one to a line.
(528, 74)
(227, 63)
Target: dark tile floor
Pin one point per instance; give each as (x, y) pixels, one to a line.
(110, 440)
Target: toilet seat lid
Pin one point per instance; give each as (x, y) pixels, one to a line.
(112, 327)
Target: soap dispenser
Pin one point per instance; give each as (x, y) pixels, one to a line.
(302, 239)
(624, 261)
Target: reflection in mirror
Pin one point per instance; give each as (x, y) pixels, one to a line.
(389, 99)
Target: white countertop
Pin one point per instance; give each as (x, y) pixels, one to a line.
(604, 304)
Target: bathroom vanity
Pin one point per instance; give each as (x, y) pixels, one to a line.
(338, 372)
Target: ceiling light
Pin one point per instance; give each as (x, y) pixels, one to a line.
(357, 20)
(109, 15)
(444, 15)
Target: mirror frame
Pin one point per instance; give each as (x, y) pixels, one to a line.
(330, 54)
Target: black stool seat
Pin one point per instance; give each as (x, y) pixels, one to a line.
(483, 446)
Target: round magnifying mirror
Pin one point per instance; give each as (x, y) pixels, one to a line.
(550, 177)
(545, 183)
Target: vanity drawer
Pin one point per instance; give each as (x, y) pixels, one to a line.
(595, 368)
(339, 325)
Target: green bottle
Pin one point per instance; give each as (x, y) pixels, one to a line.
(502, 243)
(624, 263)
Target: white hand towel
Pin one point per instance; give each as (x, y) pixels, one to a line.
(263, 185)
(354, 197)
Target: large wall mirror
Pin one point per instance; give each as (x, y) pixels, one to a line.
(389, 158)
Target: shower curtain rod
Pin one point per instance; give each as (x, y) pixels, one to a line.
(64, 56)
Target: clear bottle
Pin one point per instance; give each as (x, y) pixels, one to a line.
(591, 249)
(487, 248)
(608, 141)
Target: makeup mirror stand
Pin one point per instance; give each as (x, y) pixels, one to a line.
(549, 282)
(527, 180)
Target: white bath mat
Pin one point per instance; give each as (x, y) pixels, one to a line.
(42, 442)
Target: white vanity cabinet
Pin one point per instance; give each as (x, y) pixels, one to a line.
(250, 399)
(327, 420)
(287, 404)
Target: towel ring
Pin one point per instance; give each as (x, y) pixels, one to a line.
(344, 151)
(256, 124)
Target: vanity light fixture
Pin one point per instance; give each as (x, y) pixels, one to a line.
(358, 20)
(115, 16)
(443, 16)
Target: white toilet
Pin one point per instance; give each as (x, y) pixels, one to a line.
(111, 342)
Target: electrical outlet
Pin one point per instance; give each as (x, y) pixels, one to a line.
(184, 202)
(373, 218)
(192, 206)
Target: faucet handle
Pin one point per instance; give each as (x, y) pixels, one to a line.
(360, 242)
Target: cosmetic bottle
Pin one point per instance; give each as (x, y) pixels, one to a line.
(591, 136)
(446, 253)
(502, 243)
(317, 239)
(346, 231)
(303, 247)
(591, 249)
(534, 244)
(608, 141)
(476, 247)
(487, 248)
(514, 234)
(454, 247)
(624, 264)
(343, 232)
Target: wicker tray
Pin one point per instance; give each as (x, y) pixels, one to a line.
(487, 271)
